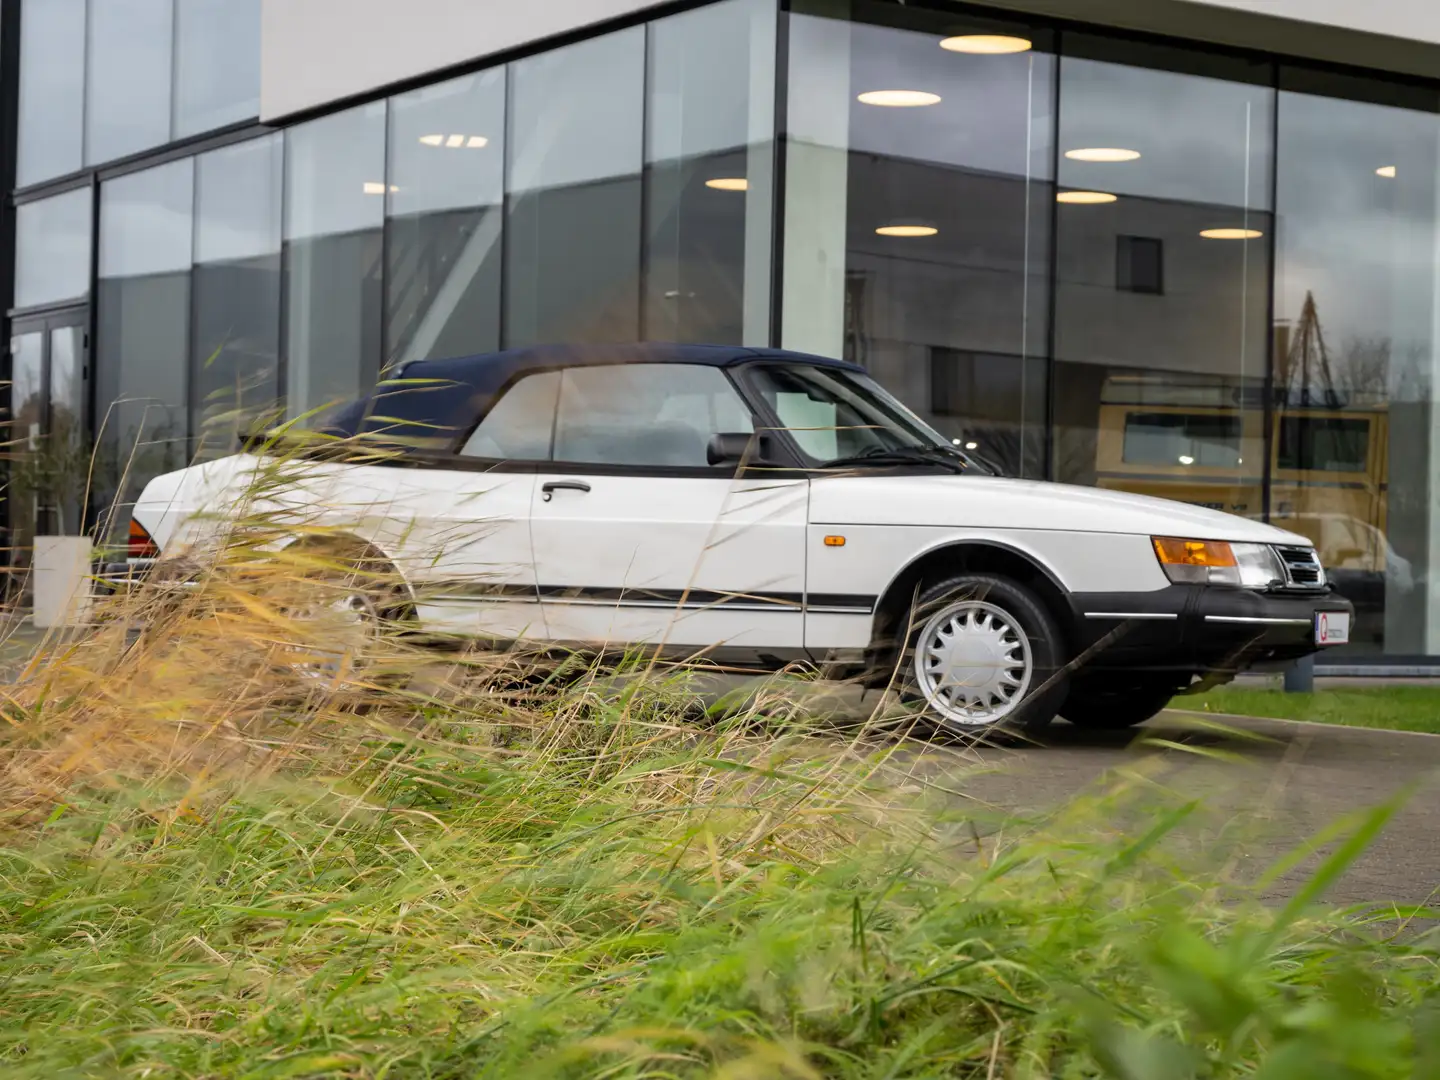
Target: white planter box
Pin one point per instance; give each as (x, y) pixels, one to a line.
(62, 570)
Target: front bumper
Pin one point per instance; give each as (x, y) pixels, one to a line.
(1199, 630)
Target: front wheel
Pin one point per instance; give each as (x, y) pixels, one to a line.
(1118, 705)
(984, 652)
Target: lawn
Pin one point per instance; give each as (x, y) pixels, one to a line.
(1398, 708)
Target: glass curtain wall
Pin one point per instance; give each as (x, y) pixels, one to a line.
(52, 89)
(235, 347)
(142, 346)
(917, 213)
(709, 174)
(52, 249)
(334, 220)
(1356, 345)
(573, 216)
(447, 177)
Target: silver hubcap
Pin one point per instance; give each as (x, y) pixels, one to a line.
(347, 623)
(973, 663)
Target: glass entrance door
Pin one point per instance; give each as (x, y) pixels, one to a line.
(49, 461)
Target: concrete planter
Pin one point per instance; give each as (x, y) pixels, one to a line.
(62, 570)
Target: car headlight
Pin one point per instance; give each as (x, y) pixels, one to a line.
(1217, 562)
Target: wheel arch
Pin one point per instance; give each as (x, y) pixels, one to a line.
(981, 555)
(343, 544)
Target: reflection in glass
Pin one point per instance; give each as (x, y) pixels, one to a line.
(573, 253)
(1355, 346)
(27, 404)
(67, 435)
(709, 167)
(1160, 334)
(142, 346)
(447, 167)
(334, 220)
(52, 249)
(916, 238)
(128, 90)
(236, 312)
(52, 89)
(217, 64)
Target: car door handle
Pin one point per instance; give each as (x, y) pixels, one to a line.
(553, 486)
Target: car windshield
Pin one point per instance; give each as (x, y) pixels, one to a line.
(840, 417)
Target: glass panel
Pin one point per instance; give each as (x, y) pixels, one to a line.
(52, 89)
(237, 281)
(573, 250)
(52, 249)
(519, 425)
(128, 93)
(917, 213)
(1162, 256)
(645, 414)
(142, 343)
(1356, 348)
(447, 166)
(27, 390)
(710, 162)
(335, 214)
(217, 64)
(68, 437)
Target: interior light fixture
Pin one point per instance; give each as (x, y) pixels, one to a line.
(1085, 198)
(906, 230)
(473, 142)
(374, 188)
(972, 446)
(986, 44)
(1102, 153)
(1231, 234)
(729, 183)
(1186, 459)
(1387, 171)
(899, 99)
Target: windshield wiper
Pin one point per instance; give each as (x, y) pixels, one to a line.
(905, 455)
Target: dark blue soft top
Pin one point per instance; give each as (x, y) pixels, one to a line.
(436, 399)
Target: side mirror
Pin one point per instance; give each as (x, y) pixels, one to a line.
(730, 448)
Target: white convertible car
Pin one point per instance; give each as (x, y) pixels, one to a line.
(765, 507)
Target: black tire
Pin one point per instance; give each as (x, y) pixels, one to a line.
(1117, 705)
(1048, 684)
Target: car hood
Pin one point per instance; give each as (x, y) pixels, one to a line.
(998, 502)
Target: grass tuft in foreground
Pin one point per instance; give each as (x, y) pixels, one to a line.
(249, 846)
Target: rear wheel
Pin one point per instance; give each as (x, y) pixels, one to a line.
(1117, 704)
(984, 652)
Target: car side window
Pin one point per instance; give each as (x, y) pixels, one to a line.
(645, 414)
(518, 426)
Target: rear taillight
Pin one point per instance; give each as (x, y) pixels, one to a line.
(140, 546)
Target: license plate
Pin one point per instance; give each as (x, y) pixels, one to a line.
(1332, 628)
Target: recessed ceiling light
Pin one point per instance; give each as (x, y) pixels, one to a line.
(1387, 171)
(474, 142)
(1186, 459)
(1102, 153)
(1085, 198)
(373, 188)
(899, 99)
(986, 44)
(906, 230)
(1231, 234)
(729, 183)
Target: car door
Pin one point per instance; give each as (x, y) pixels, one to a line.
(460, 525)
(638, 539)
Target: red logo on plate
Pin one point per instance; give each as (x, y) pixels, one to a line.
(1324, 628)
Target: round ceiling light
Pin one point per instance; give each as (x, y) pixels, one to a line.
(986, 44)
(1085, 198)
(899, 99)
(1102, 153)
(1231, 234)
(729, 183)
(906, 230)
(1387, 171)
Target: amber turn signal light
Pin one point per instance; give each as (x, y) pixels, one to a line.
(1173, 552)
(834, 541)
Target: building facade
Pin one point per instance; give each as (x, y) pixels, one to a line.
(1186, 249)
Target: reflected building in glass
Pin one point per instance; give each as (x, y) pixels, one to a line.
(1105, 252)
